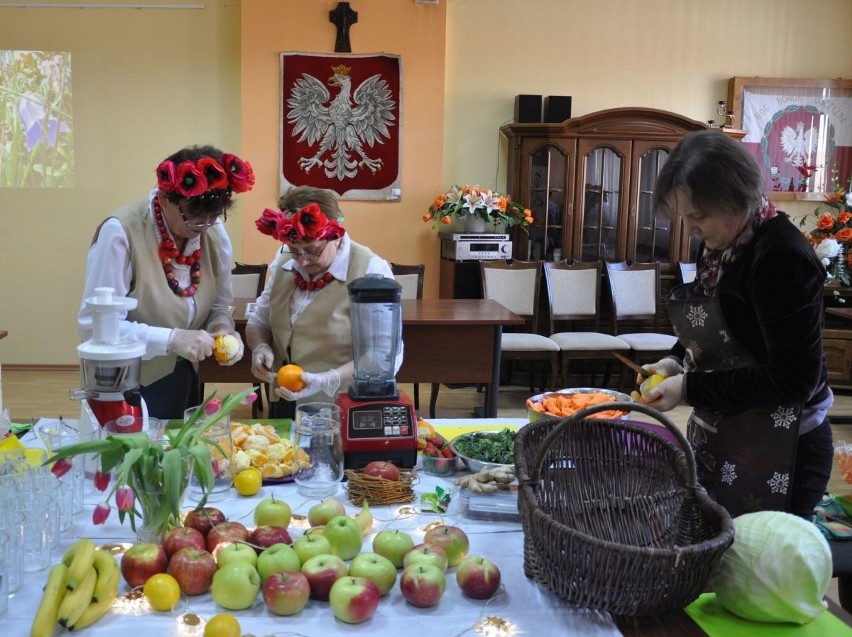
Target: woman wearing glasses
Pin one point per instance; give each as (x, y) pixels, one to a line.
(170, 251)
(303, 317)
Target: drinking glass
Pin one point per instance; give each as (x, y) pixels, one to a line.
(56, 434)
(4, 584)
(318, 469)
(218, 438)
(11, 523)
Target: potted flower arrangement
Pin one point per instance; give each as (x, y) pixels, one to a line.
(149, 477)
(832, 232)
(476, 206)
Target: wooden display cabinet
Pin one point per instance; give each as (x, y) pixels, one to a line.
(589, 182)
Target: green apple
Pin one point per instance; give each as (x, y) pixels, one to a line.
(235, 586)
(236, 552)
(376, 568)
(393, 544)
(321, 513)
(426, 554)
(278, 557)
(311, 544)
(353, 599)
(272, 512)
(344, 536)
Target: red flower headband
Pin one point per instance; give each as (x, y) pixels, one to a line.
(191, 179)
(308, 223)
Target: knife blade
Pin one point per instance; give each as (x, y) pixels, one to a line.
(644, 373)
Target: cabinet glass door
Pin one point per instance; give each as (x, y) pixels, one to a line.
(653, 233)
(548, 175)
(601, 204)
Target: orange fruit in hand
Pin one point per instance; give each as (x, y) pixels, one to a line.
(225, 347)
(290, 377)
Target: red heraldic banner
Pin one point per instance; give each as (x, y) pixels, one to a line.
(341, 123)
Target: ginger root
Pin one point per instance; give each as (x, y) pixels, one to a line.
(488, 480)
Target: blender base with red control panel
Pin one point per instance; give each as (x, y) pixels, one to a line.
(380, 429)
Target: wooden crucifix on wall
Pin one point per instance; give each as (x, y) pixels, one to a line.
(342, 17)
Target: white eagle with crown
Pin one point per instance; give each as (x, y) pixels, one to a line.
(342, 129)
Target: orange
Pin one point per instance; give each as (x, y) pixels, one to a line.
(225, 347)
(162, 591)
(290, 377)
(222, 625)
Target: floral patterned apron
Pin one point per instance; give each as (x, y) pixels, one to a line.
(744, 459)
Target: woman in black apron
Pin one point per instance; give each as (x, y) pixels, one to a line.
(749, 357)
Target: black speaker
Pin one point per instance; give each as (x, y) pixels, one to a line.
(527, 109)
(557, 108)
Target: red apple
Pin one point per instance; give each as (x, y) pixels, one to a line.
(322, 571)
(193, 569)
(265, 536)
(478, 577)
(426, 554)
(226, 532)
(203, 519)
(183, 536)
(422, 585)
(382, 469)
(286, 592)
(450, 538)
(141, 561)
(354, 599)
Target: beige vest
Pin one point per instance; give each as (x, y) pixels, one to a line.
(322, 337)
(158, 305)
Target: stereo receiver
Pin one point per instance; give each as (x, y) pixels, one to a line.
(479, 247)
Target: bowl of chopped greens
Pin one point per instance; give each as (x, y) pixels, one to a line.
(482, 449)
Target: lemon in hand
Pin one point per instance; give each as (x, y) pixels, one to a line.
(247, 482)
(650, 383)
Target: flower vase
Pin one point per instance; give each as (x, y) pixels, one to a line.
(158, 509)
(474, 224)
(840, 265)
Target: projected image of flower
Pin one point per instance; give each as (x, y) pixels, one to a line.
(36, 142)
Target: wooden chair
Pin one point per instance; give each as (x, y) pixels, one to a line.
(410, 277)
(687, 272)
(247, 280)
(573, 293)
(635, 294)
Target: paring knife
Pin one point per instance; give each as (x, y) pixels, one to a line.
(644, 373)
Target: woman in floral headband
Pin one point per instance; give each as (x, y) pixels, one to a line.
(303, 316)
(171, 252)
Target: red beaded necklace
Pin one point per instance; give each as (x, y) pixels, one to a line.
(168, 251)
(310, 286)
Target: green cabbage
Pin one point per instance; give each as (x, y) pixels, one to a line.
(777, 570)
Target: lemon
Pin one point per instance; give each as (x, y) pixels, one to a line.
(225, 347)
(248, 481)
(162, 591)
(223, 625)
(650, 383)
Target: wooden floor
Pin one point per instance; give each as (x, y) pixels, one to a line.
(44, 394)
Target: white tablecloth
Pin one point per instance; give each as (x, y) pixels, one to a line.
(531, 607)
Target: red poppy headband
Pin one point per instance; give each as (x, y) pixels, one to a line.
(308, 223)
(194, 178)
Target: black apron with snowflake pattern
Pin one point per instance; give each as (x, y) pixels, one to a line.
(744, 459)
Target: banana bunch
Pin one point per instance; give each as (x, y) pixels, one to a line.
(80, 590)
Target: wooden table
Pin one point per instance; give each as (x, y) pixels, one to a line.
(455, 341)
(446, 341)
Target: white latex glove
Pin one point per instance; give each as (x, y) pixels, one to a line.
(667, 395)
(193, 345)
(236, 357)
(664, 367)
(262, 359)
(326, 382)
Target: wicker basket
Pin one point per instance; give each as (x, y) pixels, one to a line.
(378, 490)
(612, 514)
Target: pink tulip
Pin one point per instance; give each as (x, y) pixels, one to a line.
(250, 398)
(212, 406)
(215, 467)
(60, 468)
(102, 480)
(101, 513)
(124, 498)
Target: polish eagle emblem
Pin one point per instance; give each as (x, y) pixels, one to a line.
(345, 127)
(798, 144)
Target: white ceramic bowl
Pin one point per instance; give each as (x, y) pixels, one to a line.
(533, 414)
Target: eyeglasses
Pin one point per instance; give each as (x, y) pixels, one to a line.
(307, 254)
(197, 223)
